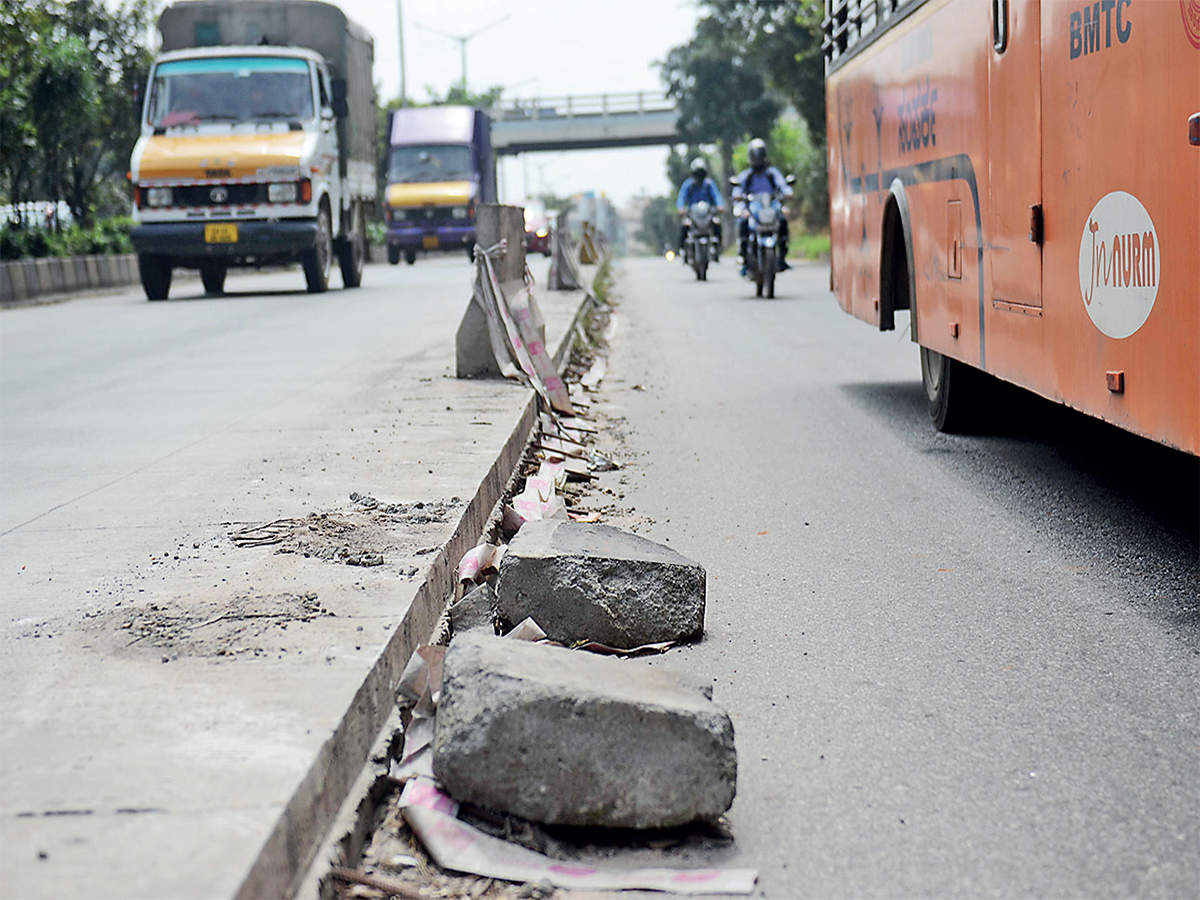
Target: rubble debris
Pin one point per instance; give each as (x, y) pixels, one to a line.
(476, 610)
(589, 582)
(569, 738)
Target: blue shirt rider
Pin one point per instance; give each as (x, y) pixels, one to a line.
(696, 187)
(761, 178)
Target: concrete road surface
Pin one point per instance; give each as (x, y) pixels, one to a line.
(181, 694)
(957, 665)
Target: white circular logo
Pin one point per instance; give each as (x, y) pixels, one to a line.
(1119, 264)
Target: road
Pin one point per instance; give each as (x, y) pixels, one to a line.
(956, 665)
(171, 696)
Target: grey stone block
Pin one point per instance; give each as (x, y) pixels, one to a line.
(593, 582)
(475, 610)
(33, 283)
(570, 738)
(473, 356)
(7, 295)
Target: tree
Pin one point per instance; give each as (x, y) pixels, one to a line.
(782, 40)
(660, 224)
(68, 114)
(722, 97)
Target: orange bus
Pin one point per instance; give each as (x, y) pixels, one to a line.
(1023, 176)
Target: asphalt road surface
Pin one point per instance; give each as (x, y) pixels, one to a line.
(956, 665)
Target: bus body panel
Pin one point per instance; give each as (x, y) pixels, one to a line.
(1099, 147)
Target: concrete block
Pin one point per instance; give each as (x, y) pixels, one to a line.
(33, 282)
(473, 355)
(108, 271)
(93, 271)
(6, 285)
(570, 738)
(78, 273)
(593, 582)
(16, 274)
(476, 610)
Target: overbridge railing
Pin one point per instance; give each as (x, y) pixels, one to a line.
(569, 107)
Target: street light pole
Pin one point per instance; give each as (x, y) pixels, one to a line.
(462, 41)
(400, 32)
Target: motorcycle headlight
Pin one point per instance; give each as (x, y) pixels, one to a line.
(459, 212)
(281, 193)
(159, 196)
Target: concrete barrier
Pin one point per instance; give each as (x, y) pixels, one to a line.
(28, 279)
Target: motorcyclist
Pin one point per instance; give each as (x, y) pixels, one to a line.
(696, 187)
(761, 177)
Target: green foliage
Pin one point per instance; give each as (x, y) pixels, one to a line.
(660, 224)
(68, 115)
(811, 246)
(722, 97)
(106, 237)
(782, 40)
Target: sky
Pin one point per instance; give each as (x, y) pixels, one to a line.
(544, 48)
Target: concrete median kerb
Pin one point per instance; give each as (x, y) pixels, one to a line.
(570, 738)
(583, 582)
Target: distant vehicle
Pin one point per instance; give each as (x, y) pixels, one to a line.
(1024, 178)
(537, 229)
(258, 143)
(440, 167)
(701, 244)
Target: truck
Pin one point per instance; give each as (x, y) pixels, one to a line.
(440, 168)
(258, 143)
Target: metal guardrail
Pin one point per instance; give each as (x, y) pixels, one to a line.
(571, 106)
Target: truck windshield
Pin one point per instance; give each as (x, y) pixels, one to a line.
(230, 89)
(448, 162)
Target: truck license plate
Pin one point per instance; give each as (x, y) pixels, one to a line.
(429, 242)
(222, 233)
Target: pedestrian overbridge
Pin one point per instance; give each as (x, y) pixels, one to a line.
(585, 122)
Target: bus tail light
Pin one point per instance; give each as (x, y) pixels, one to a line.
(306, 191)
(137, 196)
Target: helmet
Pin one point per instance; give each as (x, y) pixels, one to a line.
(756, 150)
(699, 169)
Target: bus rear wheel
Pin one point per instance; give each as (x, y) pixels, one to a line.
(952, 388)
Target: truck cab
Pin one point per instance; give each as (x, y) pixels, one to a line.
(251, 153)
(440, 167)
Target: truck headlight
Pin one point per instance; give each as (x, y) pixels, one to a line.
(459, 212)
(159, 196)
(542, 232)
(399, 215)
(281, 193)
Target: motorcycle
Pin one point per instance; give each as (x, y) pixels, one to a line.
(764, 215)
(701, 243)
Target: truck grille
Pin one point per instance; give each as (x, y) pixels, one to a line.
(235, 194)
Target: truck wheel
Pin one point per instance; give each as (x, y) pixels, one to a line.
(212, 275)
(393, 254)
(410, 256)
(350, 257)
(155, 272)
(318, 260)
